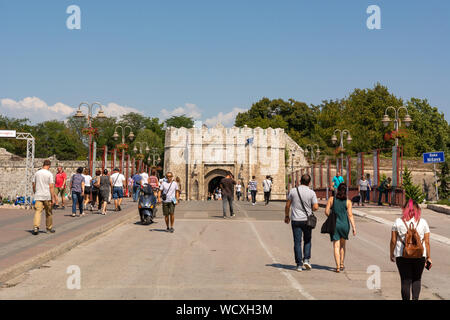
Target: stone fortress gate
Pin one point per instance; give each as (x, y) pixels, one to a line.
(201, 156)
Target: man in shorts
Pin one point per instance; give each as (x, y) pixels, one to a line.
(60, 186)
(170, 195)
(118, 183)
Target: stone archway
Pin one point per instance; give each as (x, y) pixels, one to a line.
(212, 177)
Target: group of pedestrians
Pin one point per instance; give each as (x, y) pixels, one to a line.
(84, 190)
(409, 247)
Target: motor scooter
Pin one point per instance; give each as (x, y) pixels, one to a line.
(147, 204)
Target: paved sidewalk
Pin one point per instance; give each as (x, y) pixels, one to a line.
(21, 251)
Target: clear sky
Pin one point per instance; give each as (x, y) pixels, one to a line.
(211, 59)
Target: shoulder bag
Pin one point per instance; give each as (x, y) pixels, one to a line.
(329, 226)
(312, 220)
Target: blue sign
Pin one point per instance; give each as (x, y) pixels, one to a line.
(434, 157)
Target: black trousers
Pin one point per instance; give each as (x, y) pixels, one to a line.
(411, 275)
(267, 196)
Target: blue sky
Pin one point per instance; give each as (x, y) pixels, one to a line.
(211, 59)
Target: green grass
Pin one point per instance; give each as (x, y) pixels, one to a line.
(444, 201)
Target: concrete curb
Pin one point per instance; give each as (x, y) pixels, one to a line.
(439, 208)
(433, 236)
(48, 255)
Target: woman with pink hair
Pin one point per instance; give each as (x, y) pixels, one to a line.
(410, 269)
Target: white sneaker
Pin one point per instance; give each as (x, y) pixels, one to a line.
(307, 265)
(299, 268)
(253, 204)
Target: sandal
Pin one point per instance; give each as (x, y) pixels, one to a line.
(342, 267)
(336, 270)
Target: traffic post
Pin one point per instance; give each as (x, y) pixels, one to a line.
(434, 157)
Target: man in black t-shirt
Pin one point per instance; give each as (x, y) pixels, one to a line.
(227, 184)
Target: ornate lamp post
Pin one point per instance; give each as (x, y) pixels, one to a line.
(123, 146)
(154, 154)
(141, 154)
(397, 122)
(311, 148)
(334, 140)
(90, 130)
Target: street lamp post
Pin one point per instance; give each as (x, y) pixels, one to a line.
(349, 140)
(100, 115)
(311, 147)
(397, 122)
(116, 136)
(141, 144)
(154, 153)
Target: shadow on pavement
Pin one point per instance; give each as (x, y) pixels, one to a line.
(281, 266)
(292, 267)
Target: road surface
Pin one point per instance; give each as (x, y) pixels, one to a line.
(246, 257)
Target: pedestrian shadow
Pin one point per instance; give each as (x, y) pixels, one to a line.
(293, 267)
(281, 266)
(158, 230)
(31, 231)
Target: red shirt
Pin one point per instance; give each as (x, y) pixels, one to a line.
(153, 181)
(59, 180)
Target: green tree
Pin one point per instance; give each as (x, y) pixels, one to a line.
(180, 122)
(412, 191)
(54, 138)
(152, 140)
(444, 180)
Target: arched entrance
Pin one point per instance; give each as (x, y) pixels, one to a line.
(212, 180)
(214, 183)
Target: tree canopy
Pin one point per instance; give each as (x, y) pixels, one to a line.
(360, 113)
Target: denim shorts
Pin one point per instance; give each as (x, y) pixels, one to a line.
(117, 192)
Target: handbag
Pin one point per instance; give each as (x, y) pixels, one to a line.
(312, 219)
(164, 195)
(329, 226)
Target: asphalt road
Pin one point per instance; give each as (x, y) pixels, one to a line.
(246, 257)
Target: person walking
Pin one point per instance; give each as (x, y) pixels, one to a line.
(95, 190)
(370, 187)
(153, 180)
(410, 268)
(337, 180)
(300, 204)
(363, 188)
(253, 188)
(44, 196)
(238, 190)
(267, 187)
(344, 217)
(384, 187)
(87, 188)
(178, 181)
(60, 186)
(169, 193)
(129, 187)
(144, 176)
(104, 185)
(118, 183)
(227, 184)
(77, 189)
(137, 181)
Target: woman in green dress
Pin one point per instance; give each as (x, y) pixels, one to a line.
(344, 216)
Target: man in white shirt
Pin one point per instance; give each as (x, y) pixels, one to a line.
(144, 180)
(44, 195)
(170, 194)
(267, 186)
(118, 183)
